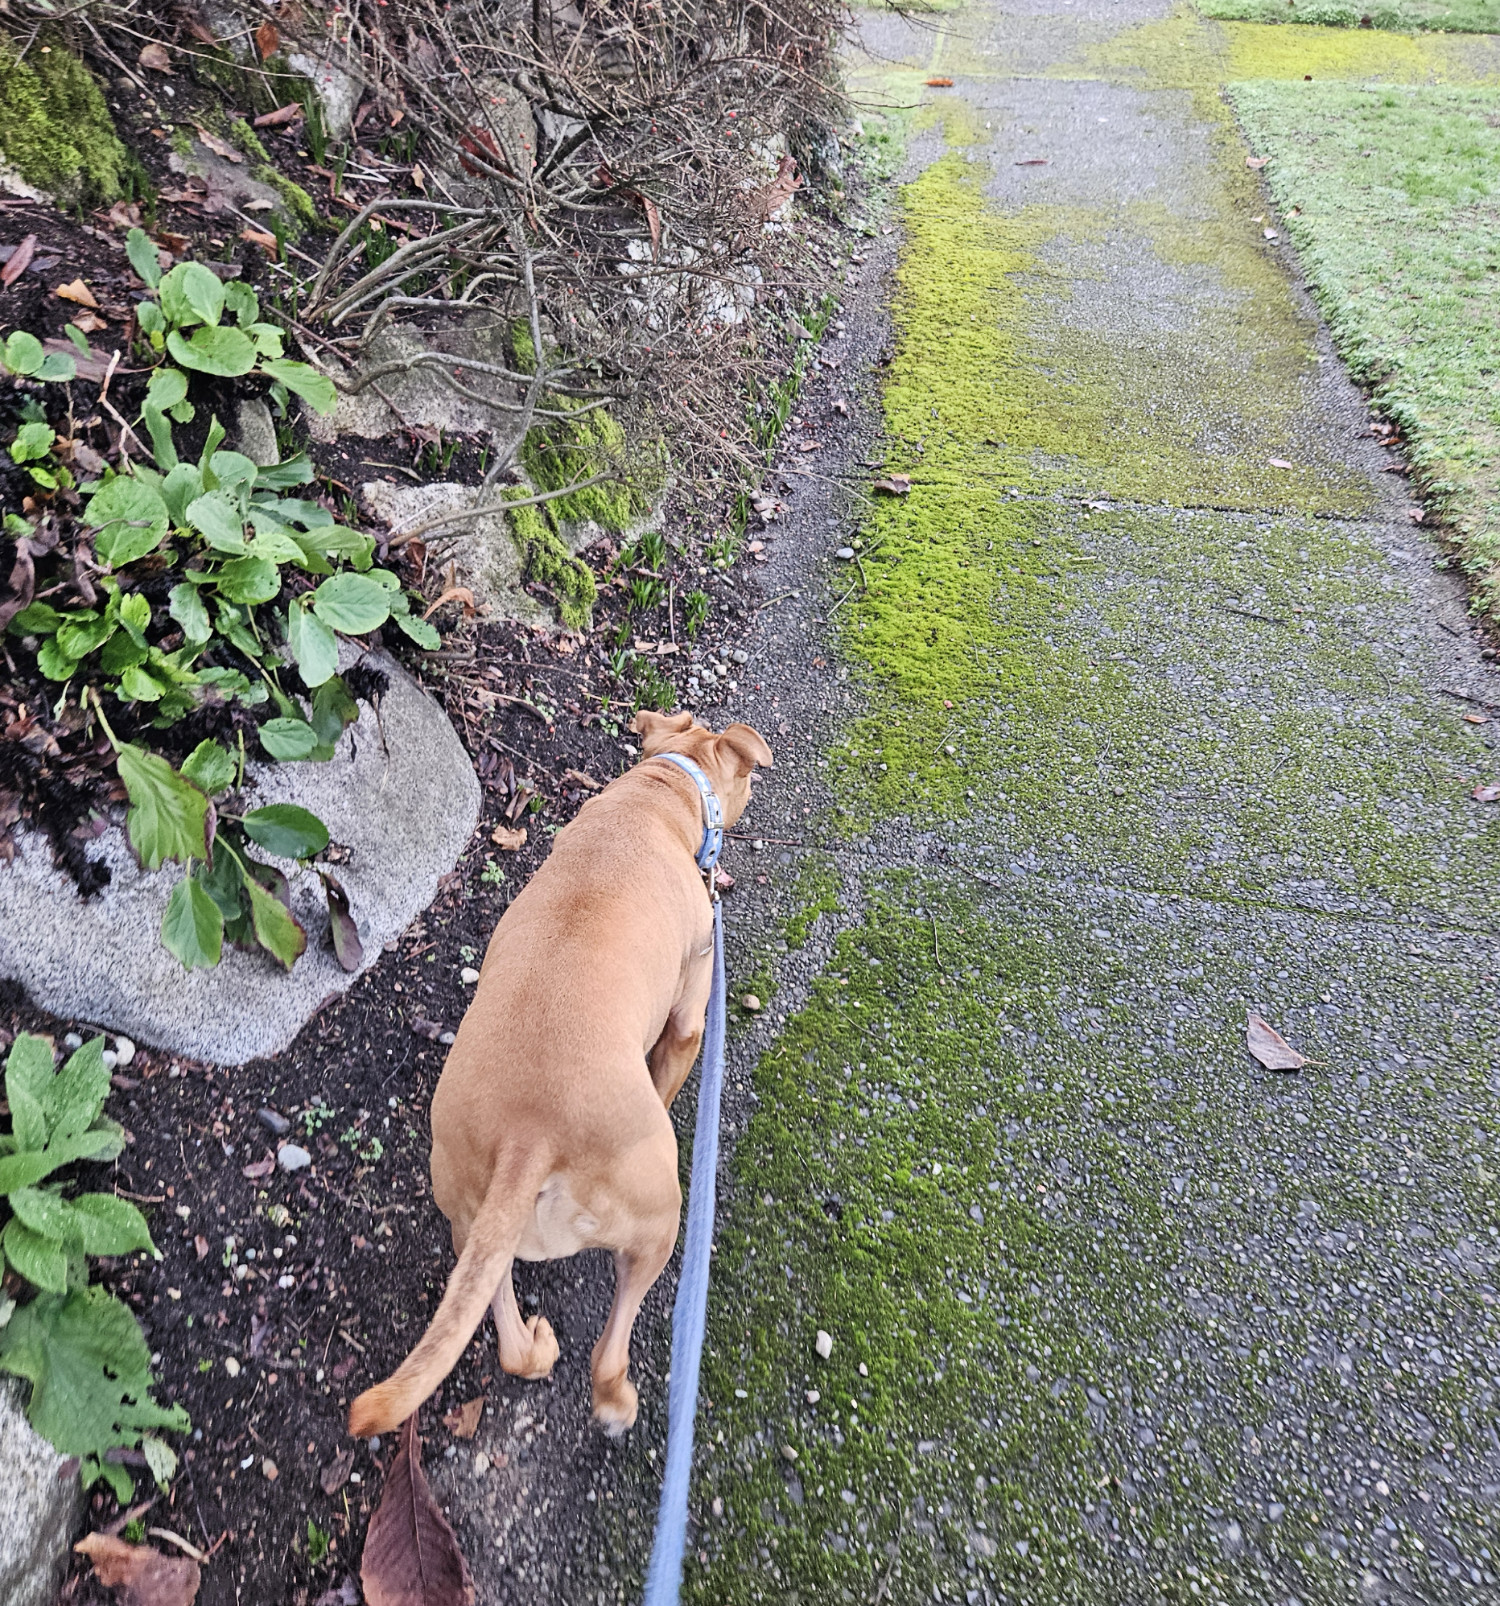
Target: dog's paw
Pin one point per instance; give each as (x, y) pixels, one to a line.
(615, 1407)
(544, 1349)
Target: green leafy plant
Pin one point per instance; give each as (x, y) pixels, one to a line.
(317, 1543)
(695, 612)
(23, 355)
(80, 1348)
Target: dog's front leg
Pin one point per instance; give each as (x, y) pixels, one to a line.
(527, 1348)
(673, 1053)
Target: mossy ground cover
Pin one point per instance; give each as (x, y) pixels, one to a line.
(55, 129)
(1392, 196)
(1439, 16)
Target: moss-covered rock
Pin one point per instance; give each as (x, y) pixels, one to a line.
(55, 129)
(545, 558)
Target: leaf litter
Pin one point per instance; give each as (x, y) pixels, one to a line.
(1270, 1047)
(411, 1555)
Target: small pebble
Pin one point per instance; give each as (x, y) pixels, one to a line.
(864, 1371)
(750, 1004)
(374, 1446)
(72, 1040)
(788, 1453)
(845, 552)
(286, 1280)
(274, 1121)
(124, 1051)
(718, 1507)
(231, 1366)
(268, 1467)
(812, 1396)
(468, 975)
(447, 1039)
(740, 656)
(481, 1462)
(824, 1344)
(109, 1058)
(292, 1157)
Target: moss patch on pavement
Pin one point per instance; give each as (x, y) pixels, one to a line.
(1392, 196)
(1438, 16)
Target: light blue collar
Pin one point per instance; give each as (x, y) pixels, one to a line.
(713, 816)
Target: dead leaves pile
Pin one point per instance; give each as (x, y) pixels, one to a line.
(411, 1555)
(140, 1575)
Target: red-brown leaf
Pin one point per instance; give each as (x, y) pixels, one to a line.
(1270, 1047)
(463, 1420)
(267, 40)
(282, 115)
(411, 1555)
(20, 260)
(155, 57)
(139, 1575)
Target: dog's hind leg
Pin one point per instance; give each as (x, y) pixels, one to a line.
(672, 1055)
(527, 1348)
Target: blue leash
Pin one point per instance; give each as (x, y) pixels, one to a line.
(664, 1577)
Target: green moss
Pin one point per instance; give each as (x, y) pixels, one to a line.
(245, 137)
(817, 893)
(1390, 197)
(562, 452)
(1439, 16)
(55, 128)
(545, 558)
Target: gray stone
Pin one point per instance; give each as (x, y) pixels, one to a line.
(274, 1121)
(227, 187)
(338, 90)
(400, 795)
(255, 432)
(40, 1503)
(487, 558)
(293, 1157)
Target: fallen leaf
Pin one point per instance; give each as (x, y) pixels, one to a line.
(261, 1168)
(89, 323)
(155, 57)
(346, 1594)
(220, 147)
(200, 1247)
(281, 116)
(1270, 1047)
(940, 83)
(77, 291)
(811, 446)
(766, 203)
(463, 1420)
(508, 840)
(1033, 161)
(411, 1557)
(1256, 161)
(1476, 719)
(840, 406)
(459, 594)
(139, 1574)
(723, 881)
(894, 485)
(347, 948)
(1487, 794)
(20, 260)
(1280, 462)
(267, 242)
(587, 782)
(423, 1028)
(267, 40)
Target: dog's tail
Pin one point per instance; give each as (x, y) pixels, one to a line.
(486, 1258)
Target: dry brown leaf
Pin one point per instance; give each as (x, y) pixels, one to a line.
(1032, 161)
(220, 147)
(155, 57)
(282, 115)
(267, 242)
(335, 1475)
(940, 83)
(1476, 719)
(507, 839)
(767, 202)
(411, 1557)
(140, 1575)
(894, 485)
(1270, 1047)
(267, 40)
(77, 291)
(460, 594)
(1256, 161)
(1487, 794)
(463, 1420)
(1280, 462)
(89, 323)
(587, 782)
(20, 260)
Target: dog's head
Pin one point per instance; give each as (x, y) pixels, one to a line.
(729, 759)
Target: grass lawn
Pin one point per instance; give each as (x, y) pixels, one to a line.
(1441, 16)
(1392, 196)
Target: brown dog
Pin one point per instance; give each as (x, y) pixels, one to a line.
(550, 1131)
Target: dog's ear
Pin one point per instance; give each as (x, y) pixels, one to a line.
(656, 730)
(745, 747)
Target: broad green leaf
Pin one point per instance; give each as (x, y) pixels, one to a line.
(22, 1170)
(53, 663)
(242, 301)
(186, 606)
(48, 1216)
(131, 519)
(39, 1260)
(298, 510)
(167, 387)
(313, 644)
(249, 580)
(182, 485)
(143, 258)
(205, 460)
(28, 1079)
(202, 289)
(316, 389)
(278, 545)
(135, 615)
(352, 603)
(90, 1371)
(267, 337)
(139, 685)
(168, 817)
(216, 517)
(121, 653)
(109, 1225)
(275, 929)
(282, 476)
(57, 367)
(23, 353)
(80, 633)
(224, 884)
(233, 468)
(192, 927)
(75, 1096)
(210, 768)
(288, 738)
(152, 321)
(286, 830)
(79, 339)
(332, 709)
(223, 351)
(163, 448)
(420, 631)
(33, 441)
(36, 620)
(161, 1459)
